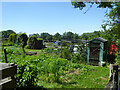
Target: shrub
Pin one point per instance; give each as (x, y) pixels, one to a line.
(118, 54)
(12, 38)
(66, 53)
(34, 43)
(39, 43)
(22, 39)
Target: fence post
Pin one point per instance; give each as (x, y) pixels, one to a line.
(115, 70)
(5, 54)
(113, 80)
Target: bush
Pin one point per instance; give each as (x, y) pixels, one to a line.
(66, 53)
(22, 39)
(118, 54)
(12, 38)
(34, 43)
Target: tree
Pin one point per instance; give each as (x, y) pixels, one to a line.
(83, 4)
(22, 40)
(37, 35)
(12, 38)
(46, 36)
(57, 36)
(34, 42)
(5, 34)
(75, 36)
(68, 35)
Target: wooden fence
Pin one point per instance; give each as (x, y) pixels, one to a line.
(113, 83)
(7, 72)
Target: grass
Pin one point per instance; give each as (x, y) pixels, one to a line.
(97, 77)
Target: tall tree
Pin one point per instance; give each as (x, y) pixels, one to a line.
(5, 34)
(46, 36)
(68, 35)
(35, 34)
(75, 36)
(57, 36)
(22, 39)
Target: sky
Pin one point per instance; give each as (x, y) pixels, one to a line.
(50, 17)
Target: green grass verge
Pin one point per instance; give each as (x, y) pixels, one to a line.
(97, 77)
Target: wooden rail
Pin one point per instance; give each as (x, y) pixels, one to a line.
(7, 72)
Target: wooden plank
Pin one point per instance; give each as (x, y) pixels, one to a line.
(8, 84)
(5, 65)
(9, 71)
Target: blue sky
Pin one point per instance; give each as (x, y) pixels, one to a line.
(51, 17)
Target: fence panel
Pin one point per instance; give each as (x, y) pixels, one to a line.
(7, 72)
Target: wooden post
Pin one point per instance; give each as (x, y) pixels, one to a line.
(5, 54)
(111, 71)
(101, 53)
(115, 69)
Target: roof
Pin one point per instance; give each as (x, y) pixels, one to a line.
(100, 39)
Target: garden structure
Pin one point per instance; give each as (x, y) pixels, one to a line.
(7, 72)
(96, 51)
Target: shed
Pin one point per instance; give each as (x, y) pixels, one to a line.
(96, 51)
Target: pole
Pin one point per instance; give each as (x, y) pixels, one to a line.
(5, 54)
(115, 69)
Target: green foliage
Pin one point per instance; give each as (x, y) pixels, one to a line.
(118, 54)
(82, 51)
(37, 35)
(68, 35)
(5, 34)
(22, 39)
(83, 4)
(34, 43)
(12, 38)
(63, 43)
(26, 68)
(49, 70)
(57, 36)
(46, 36)
(52, 51)
(66, 53)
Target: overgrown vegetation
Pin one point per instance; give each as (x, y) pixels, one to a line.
(22, 40)
(12, 39)
(50, 71)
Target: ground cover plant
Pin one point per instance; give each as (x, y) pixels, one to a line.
(50, 71)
